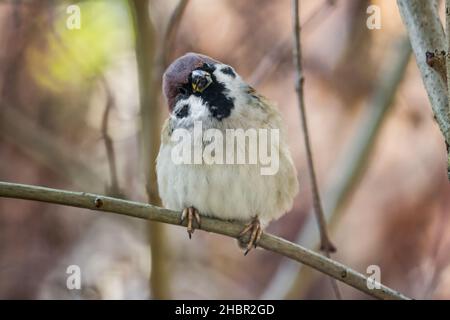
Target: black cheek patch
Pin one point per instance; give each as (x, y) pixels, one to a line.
(229, 71)
(221, 108)
(182, 112)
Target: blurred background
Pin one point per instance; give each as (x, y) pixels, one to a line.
(81, 109)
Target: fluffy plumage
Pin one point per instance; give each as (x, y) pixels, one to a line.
(227, 191)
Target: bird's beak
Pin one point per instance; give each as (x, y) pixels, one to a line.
(200, 80)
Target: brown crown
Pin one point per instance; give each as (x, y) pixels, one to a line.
(177, 74)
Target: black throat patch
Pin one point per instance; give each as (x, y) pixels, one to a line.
(218, 103)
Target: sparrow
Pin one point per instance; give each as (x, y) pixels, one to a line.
(200, 90)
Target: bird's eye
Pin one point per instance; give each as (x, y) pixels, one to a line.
(182, 90)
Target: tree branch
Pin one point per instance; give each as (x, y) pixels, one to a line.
(170, 34)
(426, 34)
(319, 12)
(353, 161)
(151, 61)
(447, 46)
(447, 60)
(278, 52)
(325, 242)
(146, 48)
(348, 170)
(153, 213)
(113, 188)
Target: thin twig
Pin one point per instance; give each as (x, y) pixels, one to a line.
(325, 242)
(150, 212)
(170, 32)
(354, 159)
(348, 170)
(113, 188)
(272, 59)
(16, 13)
(325, 7)
(355, 156)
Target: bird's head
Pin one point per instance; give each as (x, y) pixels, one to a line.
(200, 88)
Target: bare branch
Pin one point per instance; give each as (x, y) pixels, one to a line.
(282, 48)
(270, 61)
(170, 32)
(349, 168)
(426, 34)
(447, 56)
(447, 28)
(113, 189)
(151, 61)
(153, 213)
(146, 48)
(320, 11)
(326, 244)
(354, 159)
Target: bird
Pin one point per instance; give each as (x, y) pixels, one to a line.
(200, 90)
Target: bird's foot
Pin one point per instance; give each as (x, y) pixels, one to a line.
(255, 230)
(190, 214)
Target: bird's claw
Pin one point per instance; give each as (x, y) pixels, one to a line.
(255, 229)
(191, 214)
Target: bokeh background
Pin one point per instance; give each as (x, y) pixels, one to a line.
(81, 109)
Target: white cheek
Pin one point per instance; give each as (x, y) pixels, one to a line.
(234, 84)
(197, 111)
(237, 90)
